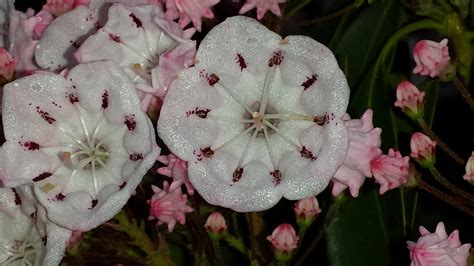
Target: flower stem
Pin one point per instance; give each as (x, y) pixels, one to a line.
(301, 235)
(445, 197)
(253, 246)
(464, 92)
(238, 244)
(440, 143)
(331, 214)
(217, 252)
(437, 175)
(404, 217)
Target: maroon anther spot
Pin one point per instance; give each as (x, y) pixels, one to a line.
(202, 113)
(94, 203)
(307, 154)
(42, 176)
(122, 185)
(45, 115)
(241, 61)
(237, 175)
(135, 157)
(320, 120)
(276, 177)
(73, 98)
(276, 59)
(30, 145)
(309, 81)
(17, 197)
(130, 122)
(212, 79)
(138, 23)
(60, 197)
(114, 37)
(206, 152)
(105, 99)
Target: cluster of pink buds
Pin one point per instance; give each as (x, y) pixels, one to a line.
(284, 241)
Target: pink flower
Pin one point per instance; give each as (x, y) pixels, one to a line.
(168, 205)
(262, 7)
(190, 11)
(284, 241)
(431, 58)
(59, 7)
(7, 66)
(438, 248)
(177, 169)
(422, 149)
(390, 171)
(215, 224)
(306, 211)
(364, 143)
(469, 176)
(410, 99)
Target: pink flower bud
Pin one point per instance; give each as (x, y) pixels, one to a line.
(423, 149)
(469, 176)
(410, 99)
(7, 66)
(284, 238)
(438, 248)
(306, 211)
(390, 171)
(262, 6)
(215, 224)
(431, 58)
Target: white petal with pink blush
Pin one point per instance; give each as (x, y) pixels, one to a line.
(258, 118)
(82, 142)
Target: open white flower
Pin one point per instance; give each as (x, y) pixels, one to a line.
(27, 238)
(258, 118)
(82, 142)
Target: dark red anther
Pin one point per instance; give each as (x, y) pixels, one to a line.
(114, 37)
(276, 177)
(94, 203)
(136, 156)
(105, 99)
(17, 197)
(45, 115)
(30, 145)
(241, 61)
(305, 153)
(320, 120)
(60, 197)
(207, 152)
(237, 175)
(42, 176)
(276, 59)
(122, 185)
(309, 81)
(212, 79)
(138, 23)
(130, 122)
(73, 98)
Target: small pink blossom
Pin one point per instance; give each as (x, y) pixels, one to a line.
(168, 205)
(469, 176)
(390, 170)
(431, 58)
(215, 223)
(177, 169)
(190, 11)
(7, 66)
(306, 210)
(59, 7)
(364, 143)
(284, 238)
(410, 99)
(422, 149)
(438, 248)
(262, 7)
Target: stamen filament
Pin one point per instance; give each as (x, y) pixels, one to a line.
(235, 137)
(226, 89)
(281, 134)
(283, 116)
(267, 143)
(244, 154)
(266, 89)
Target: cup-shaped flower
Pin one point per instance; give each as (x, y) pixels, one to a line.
(423, 149)
(438, 248)
(168, 205)
(7, 66)
(262, 7)
(284, 241)
(177, 169)
(257, 118)
(469, 176)
(306, 211)
(82, 142)
(126, 38)
(364, 143)
(190, 11)
(215, 225)
(431, 58)
(410, 99)
(28, 238)
(390, 171)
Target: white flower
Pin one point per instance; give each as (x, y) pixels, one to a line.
(82, 142)
(258, 118)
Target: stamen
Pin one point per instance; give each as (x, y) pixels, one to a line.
(266, 88)
(73, 137)
(107, 136)
(83, 123)
(244, 154)
(94, 178)
(234, 138)
(283, 135)
(137, 68)
(294, 117)
(226, 89)
(267, 143)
